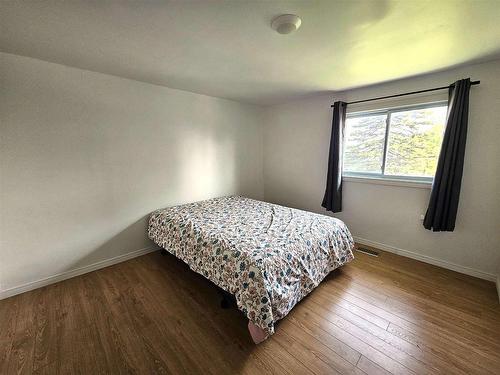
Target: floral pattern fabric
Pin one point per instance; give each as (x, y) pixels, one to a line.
(268, 256)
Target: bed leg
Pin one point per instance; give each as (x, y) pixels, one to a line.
(163, 252)
(257, 333)
(227, 300)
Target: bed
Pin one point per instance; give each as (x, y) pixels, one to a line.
(267, 256)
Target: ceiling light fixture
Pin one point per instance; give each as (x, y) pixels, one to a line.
(286, 23)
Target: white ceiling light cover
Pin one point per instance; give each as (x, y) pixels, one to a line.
(286, 23)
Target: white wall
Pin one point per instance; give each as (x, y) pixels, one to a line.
(85, 157)
(296, 141)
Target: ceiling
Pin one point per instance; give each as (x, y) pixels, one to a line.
(228, 49)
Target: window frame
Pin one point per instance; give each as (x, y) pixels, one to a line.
(372, 176)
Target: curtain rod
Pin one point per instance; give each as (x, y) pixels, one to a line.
(408, 93)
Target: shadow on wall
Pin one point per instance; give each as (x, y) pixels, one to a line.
(87, 158)
(131, 239)
(200, 164)
(213, 159)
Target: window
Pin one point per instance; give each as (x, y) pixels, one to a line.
(399, 143)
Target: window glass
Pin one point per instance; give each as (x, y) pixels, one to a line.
(364, 147)
(415, 141)
(410, 137)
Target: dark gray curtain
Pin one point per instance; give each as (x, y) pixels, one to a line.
(445, 193)
(332, 200)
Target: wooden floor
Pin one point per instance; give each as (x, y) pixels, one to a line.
(153, 315)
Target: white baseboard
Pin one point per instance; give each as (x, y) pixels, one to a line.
(133, 254)
(74, 272)
(427, 259)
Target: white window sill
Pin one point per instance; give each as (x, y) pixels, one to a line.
(388, 182)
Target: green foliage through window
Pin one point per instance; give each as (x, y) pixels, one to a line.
(398, 142)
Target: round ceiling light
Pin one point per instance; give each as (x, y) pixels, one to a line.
(286, 23)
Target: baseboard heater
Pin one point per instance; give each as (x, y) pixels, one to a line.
(366, 251)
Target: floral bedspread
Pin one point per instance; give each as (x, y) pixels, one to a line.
(268, 256)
